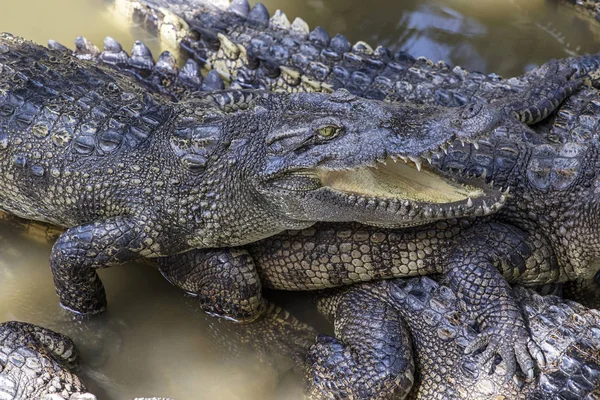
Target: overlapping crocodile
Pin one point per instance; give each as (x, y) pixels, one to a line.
(252, 49)
(184, 274)
(420, 308)
(533, 74)
(132, 174)
(433, 83)
(39, 364)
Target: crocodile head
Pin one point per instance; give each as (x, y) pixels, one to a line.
(290, 160)
(343, 158)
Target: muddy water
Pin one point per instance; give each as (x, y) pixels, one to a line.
(153, 341)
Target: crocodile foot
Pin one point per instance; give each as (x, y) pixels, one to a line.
(512, 341)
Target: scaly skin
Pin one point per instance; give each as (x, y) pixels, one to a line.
(36, 362)
(548, 224)
(486, 293)
(251, 49)
(132, 174)
(488, 87)
(566, 332)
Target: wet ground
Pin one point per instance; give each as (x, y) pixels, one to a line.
(153, 341)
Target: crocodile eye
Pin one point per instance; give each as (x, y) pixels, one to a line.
(471, 110)
(329, 131)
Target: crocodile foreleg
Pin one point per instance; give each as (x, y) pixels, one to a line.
(370, 356)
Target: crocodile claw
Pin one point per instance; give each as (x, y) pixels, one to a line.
(515, 349)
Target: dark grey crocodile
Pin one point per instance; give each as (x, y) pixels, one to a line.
(244, 45)
(132, 174)
(567, 333)
(39, 364)
(187, 271)
(250, 48)
(297, 275)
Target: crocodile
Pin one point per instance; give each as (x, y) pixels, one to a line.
(133, 174)
(251, 48)
(440, 331)
(374, 321)
(184, 271)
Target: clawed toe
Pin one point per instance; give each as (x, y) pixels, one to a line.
(516, 353)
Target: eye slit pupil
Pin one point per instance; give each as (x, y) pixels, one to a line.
(328, 131)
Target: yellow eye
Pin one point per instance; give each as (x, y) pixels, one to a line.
(329, 131)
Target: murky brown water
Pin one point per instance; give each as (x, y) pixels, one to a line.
(152, 341)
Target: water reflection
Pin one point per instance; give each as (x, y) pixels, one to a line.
(506, 37)
(152, 340)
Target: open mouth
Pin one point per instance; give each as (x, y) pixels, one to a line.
(404, 191)
(399, 179)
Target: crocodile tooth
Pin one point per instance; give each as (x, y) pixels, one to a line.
(404, 158)
(484, 174)
(279, 21)
(417, 162)
(54, 45)
(300, 28)
(239, 7)
(85, 49)
(469, 202)
(445, 148)
(260, 15)
(462, 143)
(507, 191)
(428, 158)
(319, 36)
(476, 145)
